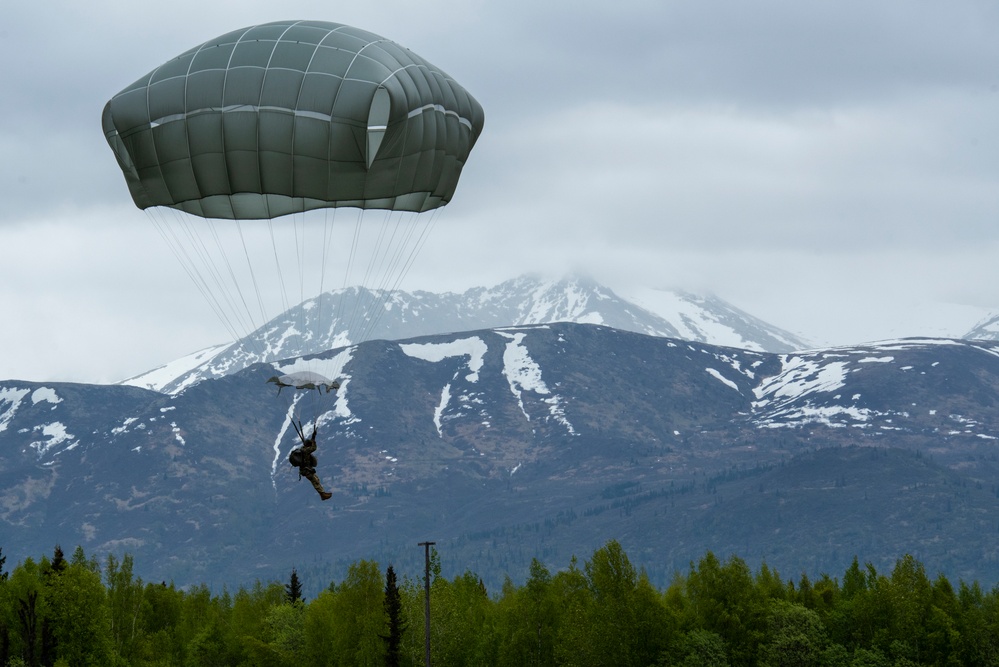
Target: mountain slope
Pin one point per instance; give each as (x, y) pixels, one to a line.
(986, 329)
(708, 319)
(537, 441)
(342, 317)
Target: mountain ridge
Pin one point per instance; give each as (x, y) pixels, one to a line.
(519, 442)
(339, 318)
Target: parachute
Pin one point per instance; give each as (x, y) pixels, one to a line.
(305, 380)
(291, 116)
(273, 122)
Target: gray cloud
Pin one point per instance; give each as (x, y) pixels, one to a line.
(803, 160)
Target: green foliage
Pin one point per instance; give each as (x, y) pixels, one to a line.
(795, 637)
(717, 614)
(697, 648)
(77, 607)
(358, 616)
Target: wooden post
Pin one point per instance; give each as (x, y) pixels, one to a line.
(426, 633)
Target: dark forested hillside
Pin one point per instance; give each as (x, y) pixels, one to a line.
(528, 442)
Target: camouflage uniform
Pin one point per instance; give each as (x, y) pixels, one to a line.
(307, 468)
(308, 471)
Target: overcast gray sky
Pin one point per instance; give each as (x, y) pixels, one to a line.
(830, 167)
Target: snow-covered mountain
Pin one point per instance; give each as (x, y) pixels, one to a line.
(708, 319)
(987, 329)
(507, 444)
(341, 318)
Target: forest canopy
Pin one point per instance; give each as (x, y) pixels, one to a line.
(82, 611)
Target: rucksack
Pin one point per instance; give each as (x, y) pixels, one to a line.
(296, 457)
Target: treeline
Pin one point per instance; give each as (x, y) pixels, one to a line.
(82, 612)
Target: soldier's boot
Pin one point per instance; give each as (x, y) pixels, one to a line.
(323, 493)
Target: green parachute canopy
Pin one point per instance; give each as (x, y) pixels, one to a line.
(292, 116)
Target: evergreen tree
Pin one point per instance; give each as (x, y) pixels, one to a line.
(293, 591)
(396, 626)
(49, 643)
(58, 560)
(854, 581)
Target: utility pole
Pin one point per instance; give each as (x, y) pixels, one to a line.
(426, 633)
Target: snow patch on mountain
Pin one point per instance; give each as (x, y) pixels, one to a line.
(523, 374)
(439, 410)
(721, 378)
(11, 398)
(53, 434)
(473, 347)
(285, 425)
(805, 390)
(800, 376)
(159, 377)
(46, 394)
(785, 397)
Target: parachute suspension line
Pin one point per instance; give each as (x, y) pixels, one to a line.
(403, 257)
(247, 323)
(329, 221)
(183, 252)
(299, 240)
(253, 279)
(420, 242)
(347, 325)
(277, 266)
(379, 245)
(357, 311)
(169, 237)
(380, 266)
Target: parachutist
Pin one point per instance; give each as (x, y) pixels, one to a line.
(305, 460)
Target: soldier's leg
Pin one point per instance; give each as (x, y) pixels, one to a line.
(314, 478)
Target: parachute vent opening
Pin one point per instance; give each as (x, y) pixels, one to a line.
(378, 117)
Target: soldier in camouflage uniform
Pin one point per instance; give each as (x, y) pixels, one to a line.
(305, 460)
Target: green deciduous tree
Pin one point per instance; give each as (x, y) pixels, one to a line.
(628, 621)
(795, 636)
(724, 600)
(528, 620)
(80, 617)
(697, 648)
(574, 598)
(358, 616)
(124, 594)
